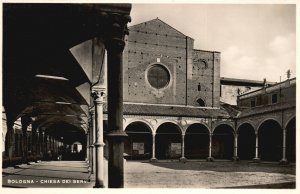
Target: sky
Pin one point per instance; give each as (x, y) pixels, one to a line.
(255, 41)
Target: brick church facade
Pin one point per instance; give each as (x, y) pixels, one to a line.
(172, 107)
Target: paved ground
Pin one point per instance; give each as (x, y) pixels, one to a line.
(209, 175)
(196, 174)
(48, 174)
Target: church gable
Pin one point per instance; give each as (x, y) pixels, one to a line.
(156, 26)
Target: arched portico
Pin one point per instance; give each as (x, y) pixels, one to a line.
(168, 141)
(138, 145)
(223, 142)
(270, 140)
(196, 141)
(291, 140)
(246, 142)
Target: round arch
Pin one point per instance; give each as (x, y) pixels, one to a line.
(138, 145)
(245, 122)
(196, 141)
(246, 141)
(223, 142)
(161, 123)
(168, 140)
(224, 124)
(267, 119)
(142, 121)
(270, 140)
(291, 140)
(289, 121)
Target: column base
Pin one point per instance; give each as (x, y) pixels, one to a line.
(99, 185)
(153, 160)
(235, 158)
(92, 178)
(283, 161)
(256, 160)
(210, 159)
(89, 169)
(183, 160)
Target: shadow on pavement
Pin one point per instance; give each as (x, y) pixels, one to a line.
(288, 185)
(228, 166)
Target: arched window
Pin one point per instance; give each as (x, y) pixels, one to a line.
(201, 102)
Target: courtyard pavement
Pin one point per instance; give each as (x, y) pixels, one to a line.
(202, 174)
(163, 174)
(56, 174)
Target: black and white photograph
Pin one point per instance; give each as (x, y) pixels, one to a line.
(193, 95)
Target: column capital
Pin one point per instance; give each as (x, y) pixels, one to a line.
(98, 93)
(116, 28)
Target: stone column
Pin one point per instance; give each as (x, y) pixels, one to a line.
(235, 156)
(114, 43)
(53, 145)
(256, 159)
(210, 158)
(92, 139)
(25, 121)
(87, 158)
(34, 141)
(10, 134)
(153, 159)
(98, 94)
(46, 142)
(284, 159)
(43, 152)
(39, 143)
(182, 159)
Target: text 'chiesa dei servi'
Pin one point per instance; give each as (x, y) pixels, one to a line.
(91, 87)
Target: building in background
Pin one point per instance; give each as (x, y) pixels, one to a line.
(231, 88)
(176, 106)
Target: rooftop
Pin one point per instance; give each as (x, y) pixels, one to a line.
(175, 111)
(243, 82)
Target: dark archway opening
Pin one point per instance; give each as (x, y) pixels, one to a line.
(196, 142)
(138, 145)
(73, 142)
(201, 102)
(246, 142)
(291, 141)
(270, 141)
(168, 141)
(222, 142)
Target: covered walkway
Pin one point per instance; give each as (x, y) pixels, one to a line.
(49, 174)
(55, 61)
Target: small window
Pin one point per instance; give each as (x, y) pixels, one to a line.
(253, 103)
(274, 98)
(199, 87)
(200, 102)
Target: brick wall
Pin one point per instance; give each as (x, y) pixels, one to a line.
(204, 78)
(155, 42)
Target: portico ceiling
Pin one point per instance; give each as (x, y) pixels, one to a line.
(41, 77)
